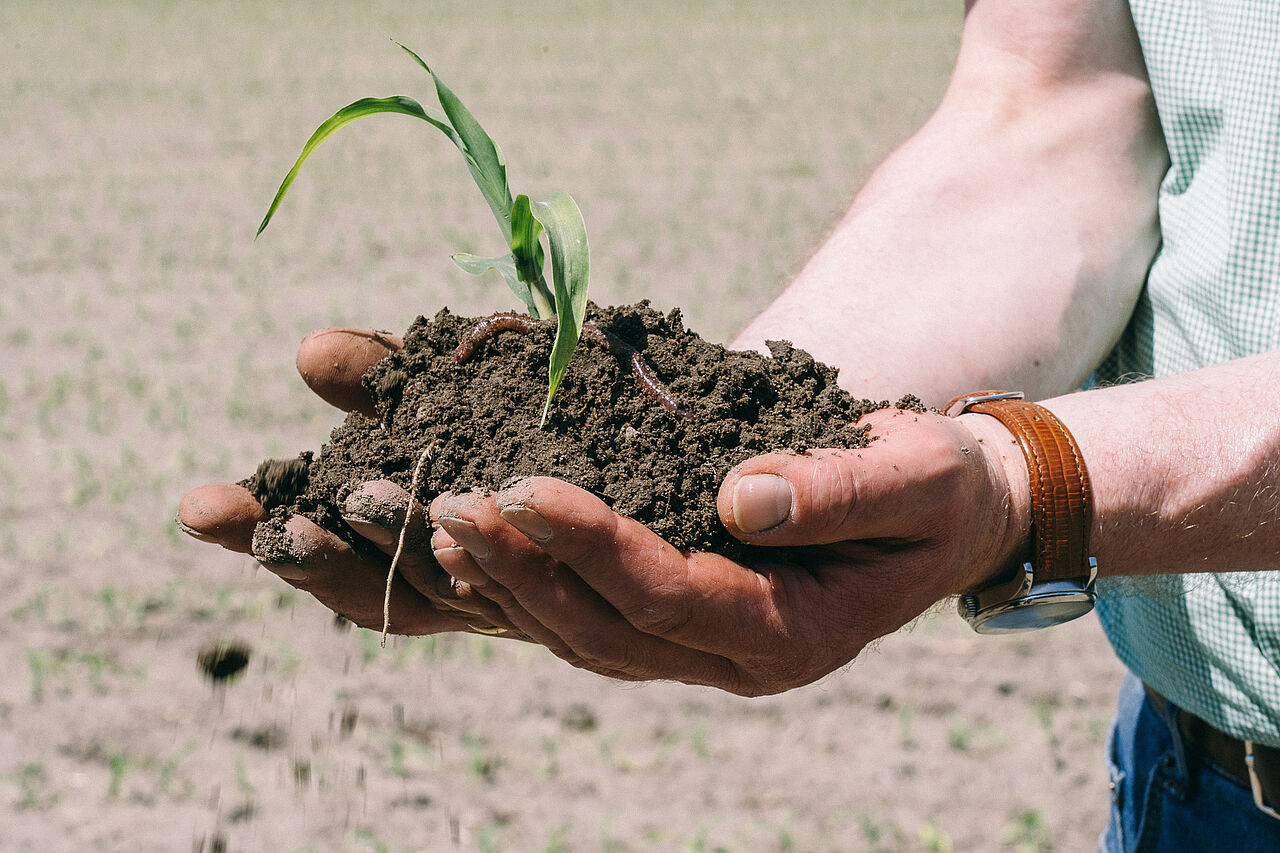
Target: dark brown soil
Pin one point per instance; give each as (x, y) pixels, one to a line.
(603, 432)
(223, 660)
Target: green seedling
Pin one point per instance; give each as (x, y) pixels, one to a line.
(480, 763)
(559, 840)
(118, 767)
(40, 664)
(32, 781)
(933, 838)
(521, 220)
(243, 783)
(370, 840)
(1029, 832)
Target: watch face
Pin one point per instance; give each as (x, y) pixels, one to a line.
(1045, 606)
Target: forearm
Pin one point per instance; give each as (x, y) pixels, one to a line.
(1003, 245)
(1185, 469)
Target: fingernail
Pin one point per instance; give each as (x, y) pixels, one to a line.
(283, 570)
(375, 510)
(450, 591)
(761, 501)
(527, 521)
(468, 536)
(196, 534)
(371, 530)
(458, 562)
(224, 515)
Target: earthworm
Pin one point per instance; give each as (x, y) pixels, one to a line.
(490, 326)
(508, 322)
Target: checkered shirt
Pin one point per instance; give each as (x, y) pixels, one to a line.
(1211, 643)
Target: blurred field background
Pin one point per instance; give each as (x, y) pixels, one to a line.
(148, 346)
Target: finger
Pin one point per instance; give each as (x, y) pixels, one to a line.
(661, 591)
(457, 562)
(467, 574)
(460, 596)
(223, 514)
(894, 489)
(376, 510)
(455, 559)
(606, 632)
(617, 594)
(317, 561)
(332, 361)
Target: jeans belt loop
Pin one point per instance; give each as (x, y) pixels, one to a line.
(1226, 752)
(1255, 783)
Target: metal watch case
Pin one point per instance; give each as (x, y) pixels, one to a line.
(1021, 604)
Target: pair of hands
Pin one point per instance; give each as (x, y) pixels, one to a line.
(922, 513)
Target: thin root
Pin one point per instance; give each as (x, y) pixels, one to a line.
(423, 458)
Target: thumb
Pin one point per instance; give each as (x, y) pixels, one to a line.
(332, 361)
(914, 478)
(790, 499)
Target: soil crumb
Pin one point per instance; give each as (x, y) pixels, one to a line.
(222, 661)
(278, 481)
(603, 431)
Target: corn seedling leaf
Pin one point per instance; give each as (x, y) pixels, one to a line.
(361, 108)
(570, 269)
(526, 248)
(484, 158)
(506, 266)
(522, 222)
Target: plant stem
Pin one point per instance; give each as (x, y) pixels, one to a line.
(543, 301)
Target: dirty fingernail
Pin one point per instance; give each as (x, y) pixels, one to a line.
(285, 571)
(761, 501)
(527, 521)
(461, 565)
(371, 530)
(225, 515)
(467, 535)
(451, 591)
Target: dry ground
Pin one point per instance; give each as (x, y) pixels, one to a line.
(148, 344)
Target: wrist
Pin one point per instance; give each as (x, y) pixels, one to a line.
(1007, 539)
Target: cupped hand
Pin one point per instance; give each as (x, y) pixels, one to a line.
(424, 600)
(933, 506)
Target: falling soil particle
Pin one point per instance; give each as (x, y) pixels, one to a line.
(222, 661)
(276, 479)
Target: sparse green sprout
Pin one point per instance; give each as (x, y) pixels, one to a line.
(521, 220)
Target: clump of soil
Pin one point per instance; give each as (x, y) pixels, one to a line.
(603, 432)
(222, 660)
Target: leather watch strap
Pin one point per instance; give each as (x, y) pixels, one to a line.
(1061, 495)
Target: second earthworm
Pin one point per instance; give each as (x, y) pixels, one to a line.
(509, 322)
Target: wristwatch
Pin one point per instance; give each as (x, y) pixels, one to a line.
(1057, 585)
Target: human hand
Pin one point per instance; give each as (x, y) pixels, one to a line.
(933, 506)
(424, 600)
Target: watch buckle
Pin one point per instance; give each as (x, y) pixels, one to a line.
(967, 400)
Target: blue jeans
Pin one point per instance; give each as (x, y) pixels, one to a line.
(1164, 800)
